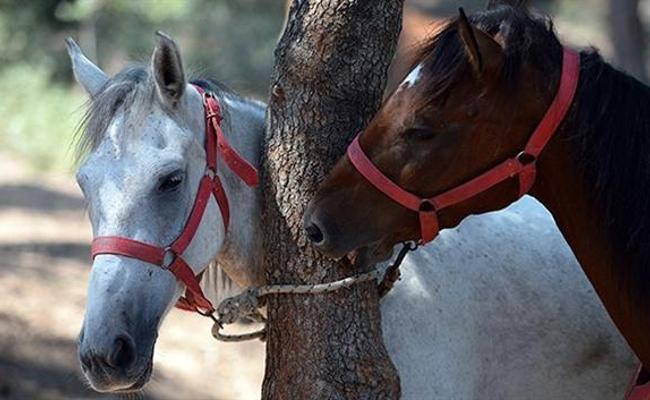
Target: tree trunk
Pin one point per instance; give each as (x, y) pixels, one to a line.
(329, 75)
(628, 37)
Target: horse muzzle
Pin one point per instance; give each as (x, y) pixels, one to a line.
(114, 364)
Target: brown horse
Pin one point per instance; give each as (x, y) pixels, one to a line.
(478, 90)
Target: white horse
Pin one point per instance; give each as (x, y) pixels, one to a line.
(511, 316)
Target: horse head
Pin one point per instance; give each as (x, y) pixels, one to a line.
(476, 92)
(144, 160)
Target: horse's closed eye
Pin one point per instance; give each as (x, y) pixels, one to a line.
(419, 133)
(171, 182)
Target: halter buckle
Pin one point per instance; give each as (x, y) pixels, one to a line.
(212, 114)
(210, 111)
(205, 96)
(168, 258)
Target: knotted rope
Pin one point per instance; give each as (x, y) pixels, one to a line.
(247, 303)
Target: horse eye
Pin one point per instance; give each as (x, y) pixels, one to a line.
(171, 182)
(419, 133)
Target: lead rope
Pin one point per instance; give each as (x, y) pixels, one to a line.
(248, 303)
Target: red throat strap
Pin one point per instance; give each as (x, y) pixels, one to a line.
(231, 157)
(522, 165)
(170, 257)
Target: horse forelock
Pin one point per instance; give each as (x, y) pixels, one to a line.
(527, 39)
(130, 92)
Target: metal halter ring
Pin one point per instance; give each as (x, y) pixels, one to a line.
(411, 245)
(168, 258)
(526, 158)
(427, 206)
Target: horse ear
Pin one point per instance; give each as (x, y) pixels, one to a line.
(167, 67)
(484, 53)
(513, 3)
(85, 72)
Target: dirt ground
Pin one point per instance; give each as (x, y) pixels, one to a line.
(44, 266)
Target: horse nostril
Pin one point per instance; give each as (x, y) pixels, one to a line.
(123, 353)
(314, 233)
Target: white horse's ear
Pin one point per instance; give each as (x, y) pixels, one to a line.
(87, 74)
(167, 67)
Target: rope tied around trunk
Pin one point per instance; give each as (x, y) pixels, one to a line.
(248, 303)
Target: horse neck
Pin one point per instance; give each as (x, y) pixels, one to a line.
(241, 255)
(575, 185)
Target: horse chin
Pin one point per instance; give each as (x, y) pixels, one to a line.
(371, 255)
(104, 382)
(104, 379)
(140, 382)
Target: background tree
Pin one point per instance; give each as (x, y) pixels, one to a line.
(328, 80)
(628, 37)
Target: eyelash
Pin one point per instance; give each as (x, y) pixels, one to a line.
(171, 182)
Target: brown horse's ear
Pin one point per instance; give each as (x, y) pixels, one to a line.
(484, 53)
(167, 67)
(513, 3)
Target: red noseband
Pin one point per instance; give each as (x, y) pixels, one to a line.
(170, 257)
(522, 165)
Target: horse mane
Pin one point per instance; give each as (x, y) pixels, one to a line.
(133, 91)
(527, 38)
(216, 284)
(608, 127)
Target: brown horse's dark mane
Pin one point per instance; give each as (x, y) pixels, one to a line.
(609, 133)
(608, 127)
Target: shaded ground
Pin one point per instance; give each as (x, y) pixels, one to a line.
(44, 265)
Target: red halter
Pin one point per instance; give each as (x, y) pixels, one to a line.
(170, 257)
(522, 165)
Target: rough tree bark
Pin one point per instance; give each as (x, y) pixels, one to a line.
(328, 80)
(628, 37)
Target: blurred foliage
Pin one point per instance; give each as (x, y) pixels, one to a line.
(37, 117)
(229, 40)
